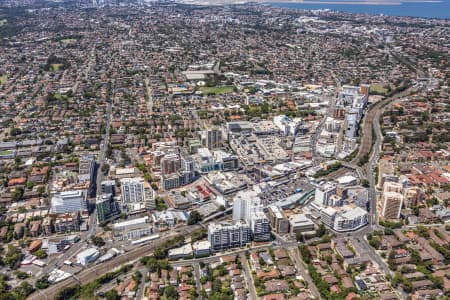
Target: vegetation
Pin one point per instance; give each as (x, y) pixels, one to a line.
(98, 241)
(40, 254)
(194, 217)
(12, 257)
(88, 290)
(334, 167)
(162, 251)
(42, 283)
(199, 234)
(160, 204)
(20, 292)
(217, 90)
(390, 224)
(3, 79)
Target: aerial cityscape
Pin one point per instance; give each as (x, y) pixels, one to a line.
(183, 150)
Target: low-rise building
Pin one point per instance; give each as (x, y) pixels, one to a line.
(132, 229)
(88, 256)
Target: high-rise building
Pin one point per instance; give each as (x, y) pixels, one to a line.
(211, 138)
(390, 186)
(245, 203)
(136, 190)
(278, 221)
(226, 235)
(106, 207)
(170, 163)
(86, 168)
(324, 193)
(177, 169)
(68, 202)
(260, 226)
(391, 205)
(109, 187)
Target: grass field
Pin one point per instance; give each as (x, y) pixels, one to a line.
(6, 152)
(217, 90)
(3, 79)
(56, 67)
(68, 41)
(379, 88)
(60, 97)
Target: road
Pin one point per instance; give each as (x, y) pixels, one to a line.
(319, 128)
(148, 95)
(295, 257)
(198, 284)
(141, 290)
(248, 275)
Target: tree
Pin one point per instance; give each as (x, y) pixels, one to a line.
(12, 257)
(40, 254)
(42, 283)
(17, 194)
(320, 232)
(97, 241)
(112, 295)
(170, 293)
(105, 168)
(22, 275)
(194, 217)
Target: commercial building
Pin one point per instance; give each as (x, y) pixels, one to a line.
(68, 202)
(207, 161)
(86, 169)
(300, 223)
(346, 218)
(324, 193)
(201, 248)
(87, 256)
(286, 125)
(351, 219)
(68, 222)
(181, 252)
(278, 222)
(132, 229)
(226, 235)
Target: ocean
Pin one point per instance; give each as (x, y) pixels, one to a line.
(440, 10)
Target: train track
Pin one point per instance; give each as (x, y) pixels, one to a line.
(95, 271)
